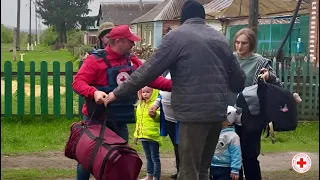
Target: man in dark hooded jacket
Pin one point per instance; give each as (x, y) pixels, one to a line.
(203, 69)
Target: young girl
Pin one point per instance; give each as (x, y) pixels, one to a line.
(148, 132)
(168, 124)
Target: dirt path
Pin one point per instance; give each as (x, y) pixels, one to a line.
(27, 89)
(268, 162)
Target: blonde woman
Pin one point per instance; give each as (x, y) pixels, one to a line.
(250, 129)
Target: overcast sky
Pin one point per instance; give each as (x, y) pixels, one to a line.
(9, 12)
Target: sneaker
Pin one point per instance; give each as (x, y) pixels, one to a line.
(147, 178)
(174, 176)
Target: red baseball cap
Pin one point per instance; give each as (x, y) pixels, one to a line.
(123, 31)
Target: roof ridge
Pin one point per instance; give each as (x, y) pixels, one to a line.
(165, 7)
(129, 2)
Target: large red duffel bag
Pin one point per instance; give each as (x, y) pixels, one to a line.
(102, 152)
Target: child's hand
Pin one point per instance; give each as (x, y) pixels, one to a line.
(135, 141)
(152, 111)
(234, 176)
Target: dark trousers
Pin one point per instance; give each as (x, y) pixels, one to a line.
(220, 173)
(172, 131)
(250, 140)
(197, 143)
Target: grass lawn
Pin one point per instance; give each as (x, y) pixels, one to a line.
(36, 136)
(51, 174)
(17, 137)
(40, 53)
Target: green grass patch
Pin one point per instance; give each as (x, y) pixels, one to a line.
(33, 174)
(38, 135)
(51, 173)
(305, 138)
(18, 137)
(41, 53)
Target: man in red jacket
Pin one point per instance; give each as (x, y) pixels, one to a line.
(102, 72)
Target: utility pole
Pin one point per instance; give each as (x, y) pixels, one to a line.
(254, 15)
(18, 26)
(39, 29)
(36, 25)
(15, 44)
(30, 37)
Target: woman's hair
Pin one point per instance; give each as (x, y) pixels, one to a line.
(99, 44)
(251, 35)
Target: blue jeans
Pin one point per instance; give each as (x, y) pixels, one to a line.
(151, 150)
(120, 128)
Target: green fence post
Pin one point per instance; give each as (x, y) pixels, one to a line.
(8, 89)
(69, 91)
(274, 64)
(81, 99)
(310, 95)
(44, 89)
(32, 88)
(285, 74)
(304, 88)
(20, 89)
(280, 71)
(316, 93)
(56, 89)
(292, 74)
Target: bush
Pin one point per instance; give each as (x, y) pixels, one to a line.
(6, 34)
(74, 38)
(80, 52)
(24, 38)
(48, 36)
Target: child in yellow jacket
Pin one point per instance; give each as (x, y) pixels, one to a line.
(148, 131)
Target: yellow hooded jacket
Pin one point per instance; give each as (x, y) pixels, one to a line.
(146, 126)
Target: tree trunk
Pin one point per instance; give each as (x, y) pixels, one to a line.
(64, 33)
(62, 36)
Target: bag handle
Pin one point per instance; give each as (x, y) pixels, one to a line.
(103, 124)
(99, 140)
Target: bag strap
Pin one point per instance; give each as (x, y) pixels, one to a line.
(102, 53)
(99, 140)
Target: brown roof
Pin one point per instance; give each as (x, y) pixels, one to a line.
(167, 10)
(124, 12)
(240, 8)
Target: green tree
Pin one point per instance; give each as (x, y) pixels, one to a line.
(6, 34)
(63, 15)
(88, 21)
(48, 36)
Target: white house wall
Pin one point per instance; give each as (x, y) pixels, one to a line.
(134, 28)
(157, 33)
(92, 32)
(215, 24)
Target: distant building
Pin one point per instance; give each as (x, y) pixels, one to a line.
(119, 13)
